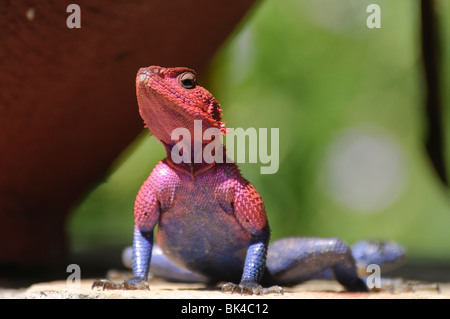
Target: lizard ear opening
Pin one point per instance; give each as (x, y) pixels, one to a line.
(187, 80)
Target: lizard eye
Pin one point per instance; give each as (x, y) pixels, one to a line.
(187, 80)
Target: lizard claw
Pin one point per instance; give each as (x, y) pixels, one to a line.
(252, 288)
(134, 283)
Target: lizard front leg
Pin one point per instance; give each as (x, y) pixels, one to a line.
(146, 215)
(253, 270)
(249, 211)
(142, 250)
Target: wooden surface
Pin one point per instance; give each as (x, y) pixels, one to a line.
(318, 289)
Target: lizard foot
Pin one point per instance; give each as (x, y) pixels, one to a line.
(134, 283)
(252, 288)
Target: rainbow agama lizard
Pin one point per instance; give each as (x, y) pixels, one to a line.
(212, 224)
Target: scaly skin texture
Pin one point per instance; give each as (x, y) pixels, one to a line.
(212, 224)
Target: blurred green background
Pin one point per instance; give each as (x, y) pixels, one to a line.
(348, 101)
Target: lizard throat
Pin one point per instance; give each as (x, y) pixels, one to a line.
(193, 163)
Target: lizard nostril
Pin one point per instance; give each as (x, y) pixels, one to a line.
(142, 77)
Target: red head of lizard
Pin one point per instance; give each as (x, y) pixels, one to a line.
(170, 98)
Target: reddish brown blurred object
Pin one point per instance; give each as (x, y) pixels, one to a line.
(68, 104)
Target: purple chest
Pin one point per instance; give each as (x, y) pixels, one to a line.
(198, 228)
